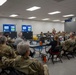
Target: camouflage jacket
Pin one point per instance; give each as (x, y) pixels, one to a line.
(7, 52)
(69, 45)
(25, 65)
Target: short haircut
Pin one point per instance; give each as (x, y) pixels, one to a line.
(22, 48)
(20, 34)
(3, 40)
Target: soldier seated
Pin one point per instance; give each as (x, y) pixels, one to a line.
(5, 50)
(69, 43)
(24, 63)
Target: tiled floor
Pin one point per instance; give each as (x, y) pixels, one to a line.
(68, 67)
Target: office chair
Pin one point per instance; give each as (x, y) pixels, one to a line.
(57, 52)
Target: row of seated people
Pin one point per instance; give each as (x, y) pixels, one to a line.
(10, 58)
(49, 35)
(67, 47)
(19, 39)
(58, 39)
(66, 44)
(19, 60)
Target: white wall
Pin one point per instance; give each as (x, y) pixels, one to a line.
(37, 26)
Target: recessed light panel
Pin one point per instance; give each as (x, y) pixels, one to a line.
(56, 20)
(31, 17)
(2, 2)
(33, 8)
(55, 12)
(13, 15)
(62, 21)
(70, 15)
(45, 19)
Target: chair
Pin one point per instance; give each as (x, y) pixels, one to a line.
(57, 52)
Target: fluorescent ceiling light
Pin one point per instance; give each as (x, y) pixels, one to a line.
(70, 15)
(2, 2)
(33, 8)
(46, 19)
(62, 21)
(13, 15)
(56, 20)
(55, 12)
(31, 17)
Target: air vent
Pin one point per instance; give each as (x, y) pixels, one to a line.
(58, 0)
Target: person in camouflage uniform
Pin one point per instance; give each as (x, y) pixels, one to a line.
(5, 50)
(24, 63)
(66, 45)
(69, 43)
